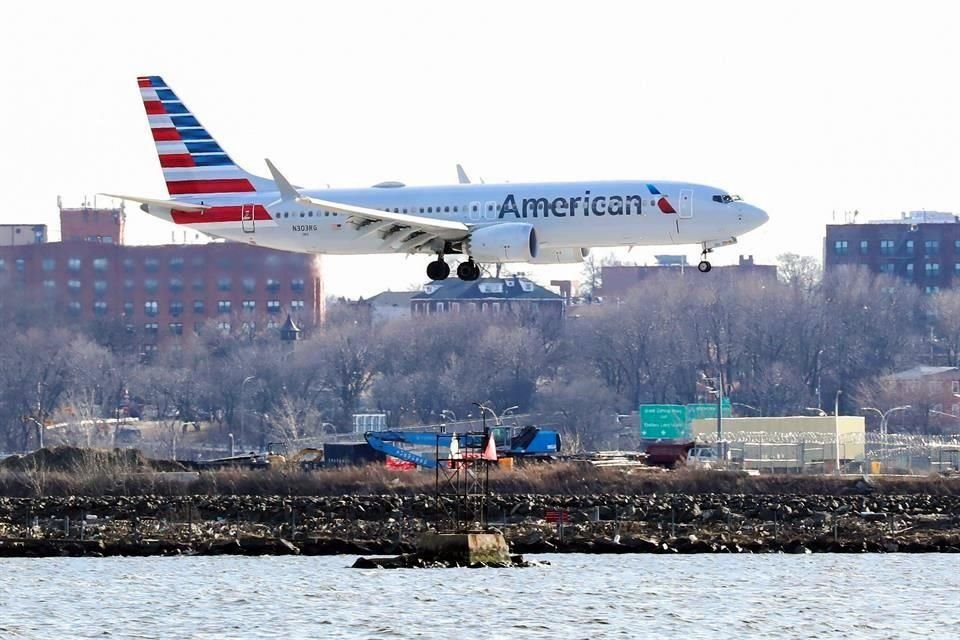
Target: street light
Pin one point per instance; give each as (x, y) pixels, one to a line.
(505, 412)
(883, 422)
(836, 429)
(242, 404)
(445, 412)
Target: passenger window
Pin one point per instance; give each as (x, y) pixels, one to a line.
(446, 209)
(429, 209)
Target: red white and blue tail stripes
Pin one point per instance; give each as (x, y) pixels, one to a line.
(193, 163)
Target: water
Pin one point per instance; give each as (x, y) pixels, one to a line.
(578, 596)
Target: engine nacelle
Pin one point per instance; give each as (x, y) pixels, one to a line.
(565, 255)
(505, 242)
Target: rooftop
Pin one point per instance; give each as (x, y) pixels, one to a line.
(510, 288)
(921, 371)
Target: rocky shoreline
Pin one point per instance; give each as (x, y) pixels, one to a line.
(371, 525)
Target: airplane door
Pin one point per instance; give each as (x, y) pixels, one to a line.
(246, 218)
(686, 203)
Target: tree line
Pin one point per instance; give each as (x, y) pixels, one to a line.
(781, 346)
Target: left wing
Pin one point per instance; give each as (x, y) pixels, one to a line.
(404, 232)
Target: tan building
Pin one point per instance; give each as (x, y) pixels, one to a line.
(16, 235)
(787, 444)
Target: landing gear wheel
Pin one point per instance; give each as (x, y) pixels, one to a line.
(438, 270)
(704, 266)
(468, 271)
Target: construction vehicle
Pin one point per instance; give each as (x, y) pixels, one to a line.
(529, 444)
(274, 456)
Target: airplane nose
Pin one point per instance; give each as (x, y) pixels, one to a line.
(754, 216)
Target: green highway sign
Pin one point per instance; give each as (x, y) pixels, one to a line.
(705, 411)
(663, 421)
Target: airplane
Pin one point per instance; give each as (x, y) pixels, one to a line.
(537, 223)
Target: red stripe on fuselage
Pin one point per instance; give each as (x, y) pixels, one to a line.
(228, 213)
(177, 160)
(190, 187)
(154, 108)
(165, 135)
(143, 82)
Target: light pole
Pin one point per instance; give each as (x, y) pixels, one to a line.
(230, 435)
(243, 404)
(883, 423)
(445, 412)
(505, 412)
(836, 429)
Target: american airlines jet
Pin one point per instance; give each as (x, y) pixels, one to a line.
(538, 223)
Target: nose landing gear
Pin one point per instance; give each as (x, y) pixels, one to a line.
(704, 266)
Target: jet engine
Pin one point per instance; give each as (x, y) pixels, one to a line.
(565, 255)
(506, 242)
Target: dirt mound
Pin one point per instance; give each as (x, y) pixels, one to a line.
(74, 459)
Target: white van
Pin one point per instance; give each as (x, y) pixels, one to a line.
(703, 458)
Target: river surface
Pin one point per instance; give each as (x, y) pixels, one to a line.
(577, 596)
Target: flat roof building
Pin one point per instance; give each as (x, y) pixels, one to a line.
(921, 247)
(618, 281)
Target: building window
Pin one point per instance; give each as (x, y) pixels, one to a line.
(151, 264)
(887, 248)
(296, 305)
(150, 307)
(931, 247)
(100, 308)
(198, 306)
(176, 328)
(99, 264)
(176, 263)
(149, 350)
(441, 307)
(249, 305)
(297, 284)
(932, 269)
(48, 264)
(223, 284)
(49, 284)
(864, 247)
(223, 306)
(955, 386)
(20, 265)
(887, 267)
(249, 285)
(128, 283)
(73, 307)
(273, 306)
(197, 284)
(908, 247)
(151, 284)
(151, 328)
(909, 269)
(176, 308)
(931, 289)
(3, 264)
(128, 265)
(197, 261)
(100, 286)
(128, 309)
(73, 285)
(224, 326)
(176, 284)
(273, 284)
(840, 247)
(74, 264)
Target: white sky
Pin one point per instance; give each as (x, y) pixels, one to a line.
(803, 108)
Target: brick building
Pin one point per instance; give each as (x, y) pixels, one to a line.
(91, 224)
(157, 293)
(619, 281)
(514, 294)
(922, 247)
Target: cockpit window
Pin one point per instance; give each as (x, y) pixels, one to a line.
(726, 198)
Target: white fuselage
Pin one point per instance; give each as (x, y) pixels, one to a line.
(564, 214)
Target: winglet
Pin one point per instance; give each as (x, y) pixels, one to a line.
(287, 190)
(462, 177)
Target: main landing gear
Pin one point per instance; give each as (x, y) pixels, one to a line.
(439, 270)
(468, 271)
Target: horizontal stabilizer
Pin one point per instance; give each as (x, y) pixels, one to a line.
(168, 204)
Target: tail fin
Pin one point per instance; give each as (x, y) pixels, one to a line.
(194, 165)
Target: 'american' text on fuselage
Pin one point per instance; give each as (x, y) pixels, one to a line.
(562, 207)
